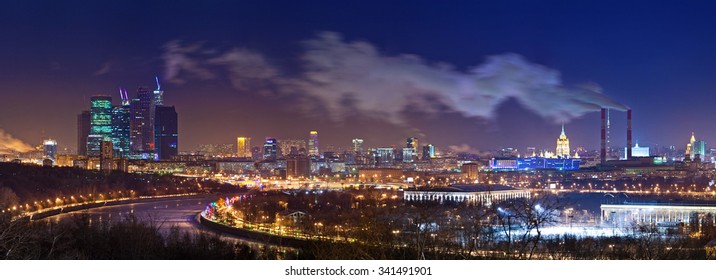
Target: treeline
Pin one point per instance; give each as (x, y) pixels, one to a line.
(132, 239)
(373, 225)
(32, 186)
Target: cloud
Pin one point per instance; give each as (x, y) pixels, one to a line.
(104, 69)
(182, 60)
(10, 144)
(347, 77)
(385, 85)
(247, 69)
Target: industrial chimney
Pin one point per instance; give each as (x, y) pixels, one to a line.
(628, 155)
(603, 152)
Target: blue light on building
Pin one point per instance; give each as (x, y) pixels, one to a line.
(534, 163)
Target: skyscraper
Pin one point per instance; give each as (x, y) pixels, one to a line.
(121, 124)
(428, 152)
(142, 119)
(411, 143)
(158, 94)
(83, 130)
(100, 123)
(358, 145)
(243, 147)
(49, 149)
(166, 132)
(313, 144)
(270, 149)
(562, 145)
(690, 146)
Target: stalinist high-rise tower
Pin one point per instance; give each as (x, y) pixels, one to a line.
(562, 145)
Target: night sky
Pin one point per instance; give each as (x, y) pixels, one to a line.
(478, 75)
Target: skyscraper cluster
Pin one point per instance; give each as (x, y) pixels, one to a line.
(138, 128)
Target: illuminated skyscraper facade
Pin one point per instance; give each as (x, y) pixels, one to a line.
(695, 147)
(411, 143)
(428, 152)
(270, 149)
(121, 124)
(358, 146)
(166, 132)
(313, 144)
(142, 112)
(243, 147)
(100, 123)
(562, 145)
(158, 94)
(49, 149)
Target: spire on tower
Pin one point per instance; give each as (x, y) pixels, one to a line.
(159, 87)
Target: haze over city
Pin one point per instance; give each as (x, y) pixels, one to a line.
(452, 75)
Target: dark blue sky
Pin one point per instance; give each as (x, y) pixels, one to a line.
(654, 56)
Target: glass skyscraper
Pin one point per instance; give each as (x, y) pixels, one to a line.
(142, 124)
(120, 130)
(270, 149)
(100, 123)
(166, 132)
(313, 144)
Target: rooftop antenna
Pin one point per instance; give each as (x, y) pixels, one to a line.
(159, 87)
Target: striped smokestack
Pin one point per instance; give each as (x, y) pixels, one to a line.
(603, 151)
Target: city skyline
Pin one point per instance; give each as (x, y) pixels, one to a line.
(646, 69)
(379, 135)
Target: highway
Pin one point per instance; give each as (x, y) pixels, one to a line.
(177, 212)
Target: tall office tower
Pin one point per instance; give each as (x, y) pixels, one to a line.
(298, 166)
(141, 135)
(83, 130)
(562, 145)
(158, 94)
(100, 123)
(243, 147)
(428, 152)
(121, 124)
(411, 143)
(270, 149)
(358, 145)
(313, 143)
(49, 149)
(166, 132)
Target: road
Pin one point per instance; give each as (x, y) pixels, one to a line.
(177, 212)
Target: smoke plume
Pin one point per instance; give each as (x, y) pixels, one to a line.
(10, 144)
(356, 75)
